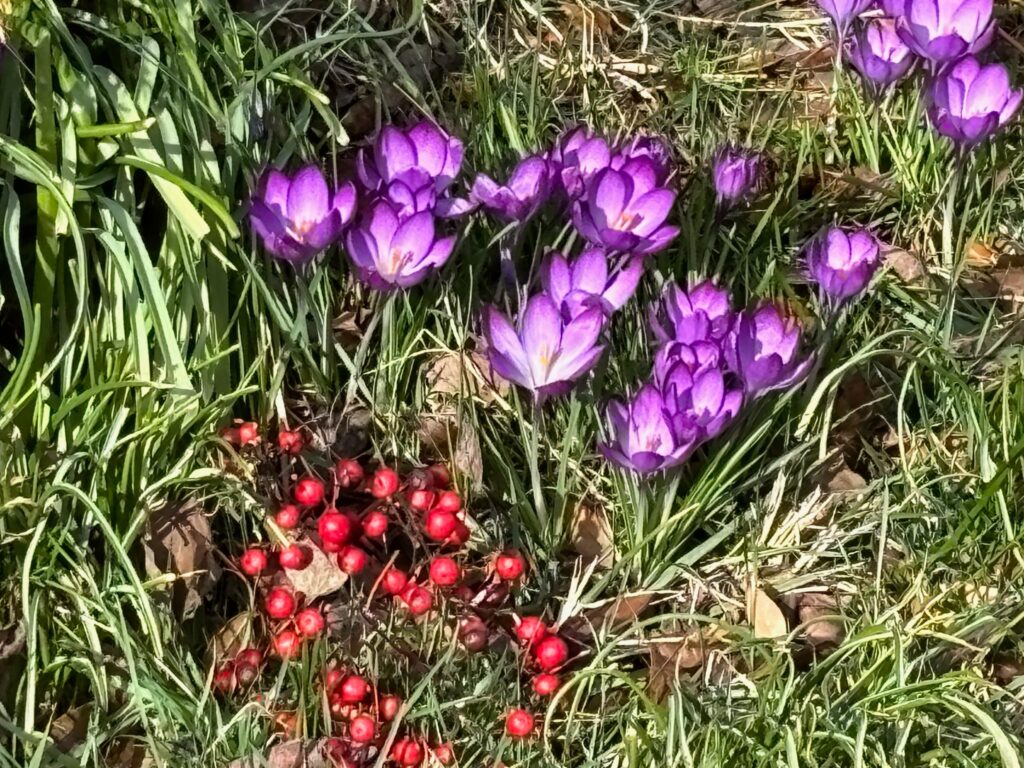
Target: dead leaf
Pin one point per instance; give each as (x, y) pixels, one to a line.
(907, 266)
(125, 753)
(812, 610)
(233, 635)
(836, 477)
(619, 612)
(980, 256)
(178, 541)
(1010, 291)
(463, 373)
(350, 326)
(298, 753)
(453, 439)
(764, 615)
(1007, 668)
(70, 729)
(586, 19)
(591, 534)
(672, 657)
(321, 577)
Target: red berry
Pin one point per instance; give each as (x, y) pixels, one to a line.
(251, 656)
(231, 435)
(349, 473)
(530, 630)
(362, 729)
(394, 581)
(353, 689)
(418, 600)
(246, 674)
(442, 477)
(280, 603)
(421, 500)
(551, 653)
(509, 565)
(249, 433)
(473, 633)
(334, 527)
(545, 684)
(449, 501)
(444, 571)
(375, 524)
(444, 753)
(287, 644)
(460, 535)
(332, 677)
(519, 723)
(384, 483)
(288, 516)
(439, 525)
(388, 706)
(310, 622)
(309, 491)
(224, 680)
(289, 442)
(253, 561)
(352, 560)
(293, 557)
(407, 752)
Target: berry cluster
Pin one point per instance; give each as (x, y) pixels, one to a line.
(400, 538)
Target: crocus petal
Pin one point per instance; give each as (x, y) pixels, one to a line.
(505, 350)
(308, 196)
(275, 190)
(431, 147)
(623, 284)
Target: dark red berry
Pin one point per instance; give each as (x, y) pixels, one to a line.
(280, 603)
(251, 656)
(362, 729)
(449, 501)
(439, 525)
(246, 674)
(375, 524)
(352, 560)
(293, 557)
(248, 433)
(444, 753)
(509, 565)
(388, 706)
(353, 689)
(224, 679)
(252, 562)
(551, 653)
(289, 442)
(519, 723)
(444, 572)
(530, 629)
(287, 644)
(310, 622)
(545, 684)
(349, 473)
(407, 753)
(384, 483)
(442, 477)
(394, 581)
(417, 599)
(288, 516)
(309, 491)
(334, 527)
(421, 500)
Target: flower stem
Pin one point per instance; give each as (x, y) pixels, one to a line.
(534, 458)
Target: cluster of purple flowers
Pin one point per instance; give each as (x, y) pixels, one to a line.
(618, 200)
(968, 100)
(395, 242)
(710, 360)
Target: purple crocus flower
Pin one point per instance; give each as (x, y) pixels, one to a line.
(970, 101)
(878, 52)
(647, 435)
(944, 30)
(547, 353)
(296, 217)
(653, 148)
(764, 350)
(392, 251)
(526, 190)
(696, 384)
(738, 174)
(586, 282)
(842, 262)
(414, 168)
(704, 313)
(842, 12)
(625, 210)
(576, 157)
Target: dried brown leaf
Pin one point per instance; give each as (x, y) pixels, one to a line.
(321, 577)
(672, 657)
(298, 753)
(908, 266)
(814, 609)
(178, 541)
(980, 256)
(591, 534)
(587, 18)
(765, 615)
(619, 612)
(232, 636)
(453, 439)
(463, 373)
(350, 326)
(70, 729)
(125, 753)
